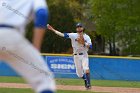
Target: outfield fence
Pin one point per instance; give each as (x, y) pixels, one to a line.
(101, 67)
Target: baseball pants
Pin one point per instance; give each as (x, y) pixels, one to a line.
(16, 51)
(81, 63)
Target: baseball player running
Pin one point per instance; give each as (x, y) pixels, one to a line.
(16, 51)
(81, 42)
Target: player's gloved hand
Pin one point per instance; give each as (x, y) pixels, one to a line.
(81, 40)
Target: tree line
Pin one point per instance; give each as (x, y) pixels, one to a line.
(113, 25)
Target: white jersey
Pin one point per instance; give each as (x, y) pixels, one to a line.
(79, 48)
(23, 10)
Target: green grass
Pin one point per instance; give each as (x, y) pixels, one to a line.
(103, 83)
(6, 79)
(106, 83)
(14, 90)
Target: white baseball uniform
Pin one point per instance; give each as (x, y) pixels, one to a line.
(16, 50)
(80, 52)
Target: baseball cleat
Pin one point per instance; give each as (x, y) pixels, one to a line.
(88, 87)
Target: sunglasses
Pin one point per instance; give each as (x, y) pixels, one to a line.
(78, 26)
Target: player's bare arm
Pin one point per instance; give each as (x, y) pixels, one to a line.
(55, 31)
(40, 22)
(38, 37)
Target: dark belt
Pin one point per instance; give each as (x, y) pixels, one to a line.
(79, 54)
(6, 26)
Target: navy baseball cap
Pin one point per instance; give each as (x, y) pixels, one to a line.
(79, 25)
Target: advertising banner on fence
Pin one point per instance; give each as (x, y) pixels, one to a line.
(61, 64)
(103, 68)
(6, 70)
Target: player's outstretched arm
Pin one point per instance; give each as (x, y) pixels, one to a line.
(54, 30)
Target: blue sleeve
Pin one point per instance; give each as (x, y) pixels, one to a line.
(90, 46)
(66, 35)
(41, 18)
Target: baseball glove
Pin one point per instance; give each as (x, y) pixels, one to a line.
(81, 40)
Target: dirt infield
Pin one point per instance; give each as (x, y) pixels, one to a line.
(80, 88)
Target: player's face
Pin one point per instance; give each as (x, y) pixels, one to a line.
(79, 29)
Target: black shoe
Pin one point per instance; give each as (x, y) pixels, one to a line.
(88, 87)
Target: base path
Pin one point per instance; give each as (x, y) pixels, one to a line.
(79, 88)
